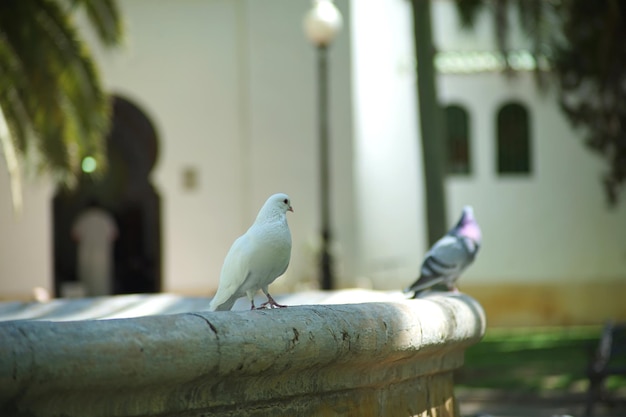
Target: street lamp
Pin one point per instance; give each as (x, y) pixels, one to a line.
(321, 25)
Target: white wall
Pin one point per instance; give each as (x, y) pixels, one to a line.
(553, 225)
(387, 171)
(25, 255)
(231, 86)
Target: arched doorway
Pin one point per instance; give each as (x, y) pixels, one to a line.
(126, 193)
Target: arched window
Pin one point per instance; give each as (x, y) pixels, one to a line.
(457, 140)
(513, 136)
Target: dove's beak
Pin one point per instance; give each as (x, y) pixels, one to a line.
(290, 209)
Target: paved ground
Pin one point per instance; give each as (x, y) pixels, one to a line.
(492, 403)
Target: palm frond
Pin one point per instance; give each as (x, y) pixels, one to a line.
(502, 28)
(50, 92)
(12, 83)
(105, 18)
(13, 166)
(55, 84)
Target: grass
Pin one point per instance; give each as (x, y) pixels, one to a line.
(538, 361)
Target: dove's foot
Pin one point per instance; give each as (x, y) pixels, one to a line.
(261, 307)
(270, 303)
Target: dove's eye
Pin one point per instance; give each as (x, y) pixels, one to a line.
(286, 201)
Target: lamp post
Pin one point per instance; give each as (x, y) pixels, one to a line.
(321, 25)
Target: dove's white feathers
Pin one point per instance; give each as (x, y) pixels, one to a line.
(257, 257)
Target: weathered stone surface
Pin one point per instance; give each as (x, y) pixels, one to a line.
(370, 359)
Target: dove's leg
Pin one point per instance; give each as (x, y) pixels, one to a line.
(250, 295)
(270, 301)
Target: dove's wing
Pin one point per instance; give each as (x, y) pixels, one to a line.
(272, 257)
(443, 263)
(235, 271)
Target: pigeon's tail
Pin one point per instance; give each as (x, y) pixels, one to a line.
(422, 285)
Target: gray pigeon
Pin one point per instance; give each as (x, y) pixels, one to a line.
(450, 255)
(257, 257)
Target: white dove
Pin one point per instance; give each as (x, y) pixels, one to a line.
(257, 257)
(450, 255)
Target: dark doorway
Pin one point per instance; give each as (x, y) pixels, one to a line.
(126, 193)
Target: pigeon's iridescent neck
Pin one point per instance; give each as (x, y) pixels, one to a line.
(472, 231)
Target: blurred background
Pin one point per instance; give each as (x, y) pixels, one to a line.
(211, 106)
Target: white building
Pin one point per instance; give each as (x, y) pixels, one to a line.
(229, 89)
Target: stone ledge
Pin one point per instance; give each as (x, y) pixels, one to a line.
(378, 359)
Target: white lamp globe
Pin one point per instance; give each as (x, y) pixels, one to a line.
(322, 22)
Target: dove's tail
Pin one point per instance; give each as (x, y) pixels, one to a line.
(225, 306)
